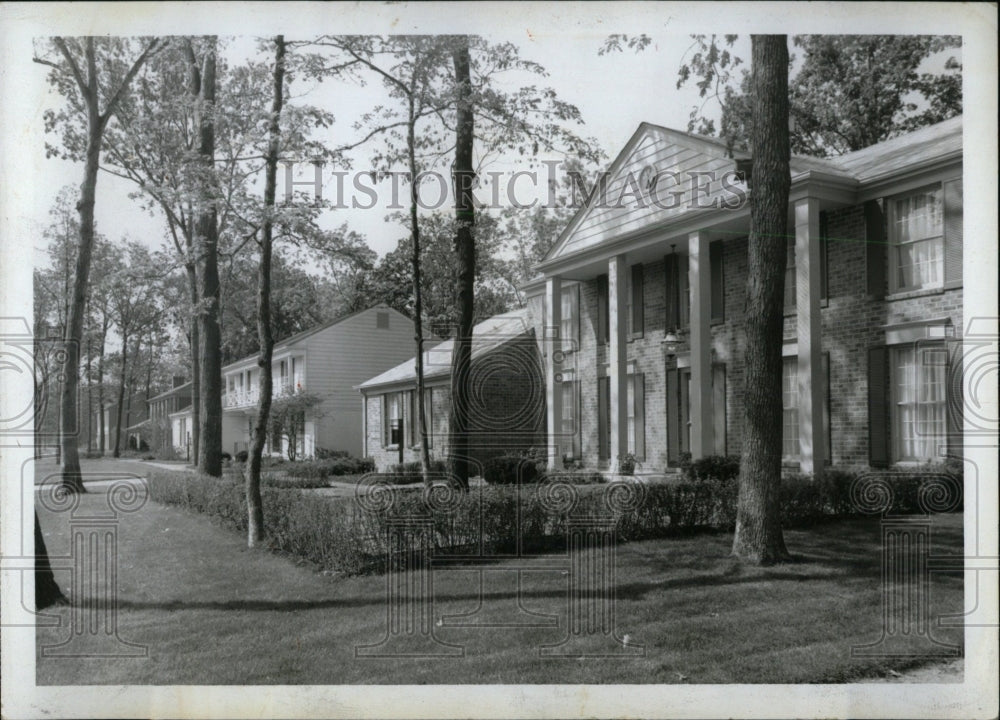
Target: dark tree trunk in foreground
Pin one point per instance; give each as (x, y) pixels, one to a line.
(255, 508)
(88, 86)
(210, 442)
(47, 592)
(195, 364)
(758, 536)
(465, 252)
(418, 304)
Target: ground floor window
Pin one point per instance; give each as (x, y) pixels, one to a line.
(392, 419)
(570, 430)
(790, 408)
(918, 402)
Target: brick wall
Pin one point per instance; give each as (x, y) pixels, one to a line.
(852, 323)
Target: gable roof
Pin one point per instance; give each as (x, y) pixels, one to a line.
(172, 391)
(666, 148)
(486, 336)
(300, 336)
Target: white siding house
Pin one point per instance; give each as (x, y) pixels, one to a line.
(328, 361)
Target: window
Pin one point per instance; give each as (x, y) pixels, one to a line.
(917, 237)
(382, 321)
(790, 408)
(684, 285)
(392, 420)
(414, 425)
(636, 415)
(569, 330)
(570, 425)
(918, 402)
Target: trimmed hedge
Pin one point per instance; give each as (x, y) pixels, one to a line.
(330, 467)
(352, 535)
(409, 473)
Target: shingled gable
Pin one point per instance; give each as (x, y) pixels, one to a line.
(665, 150)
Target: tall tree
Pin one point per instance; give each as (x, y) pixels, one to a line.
(203, 77)
(255, 508)
(758, 536)
(465, 253)
(75, 72)
(849, 91)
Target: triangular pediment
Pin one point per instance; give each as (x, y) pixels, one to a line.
(659, 176)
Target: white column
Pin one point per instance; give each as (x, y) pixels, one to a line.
(700, 282)
(618, 358)
(812, 439)
(553, 369)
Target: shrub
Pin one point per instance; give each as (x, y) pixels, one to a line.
(241, 456)
(226, 457)
(409, 473)
(576, 476)
(328, 468)
(290, 482)
(716, 467)
(342, 535)
(508, 469)
(324, 454)
(627, 464)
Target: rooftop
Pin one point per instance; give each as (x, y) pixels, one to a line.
(486, 336)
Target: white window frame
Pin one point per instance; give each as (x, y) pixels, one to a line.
(790, 408)
(923, 363)
(896, 245)
(569, 318)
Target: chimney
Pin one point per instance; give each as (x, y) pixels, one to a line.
(179, 380)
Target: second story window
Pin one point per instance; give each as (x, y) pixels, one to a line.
(916, 236)
(569, 330)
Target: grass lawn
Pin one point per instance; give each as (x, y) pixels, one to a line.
(213, 612)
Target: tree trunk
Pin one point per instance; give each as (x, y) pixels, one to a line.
(47, 592)
(210, 444)
(255, 509)
(90, 399)
(195, 363)
(465, 251)
(68, 430)
(758, 537)
(418, 326)
(121, 398)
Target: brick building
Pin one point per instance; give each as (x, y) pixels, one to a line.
(507, 404)
(643, 295)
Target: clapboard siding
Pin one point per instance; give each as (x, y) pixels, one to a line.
(342, 357)
(656, 148)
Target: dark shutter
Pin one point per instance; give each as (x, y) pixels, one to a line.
(671, 293)
(639, 395)
(603, 418)
(955, 403)
(827, 430)
(878, 407)
(824, 280)
(953, 233)
(719, 408)
(718, 290)
(637, 303)
(673, 419)
(876, 250)
(603, 326)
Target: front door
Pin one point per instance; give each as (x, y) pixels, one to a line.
(678, 413)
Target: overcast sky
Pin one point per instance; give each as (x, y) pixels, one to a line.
(614, 93)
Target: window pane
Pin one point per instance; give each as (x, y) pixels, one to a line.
(790, 300)
(919, 407)
(790, 408)
(630, 405)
